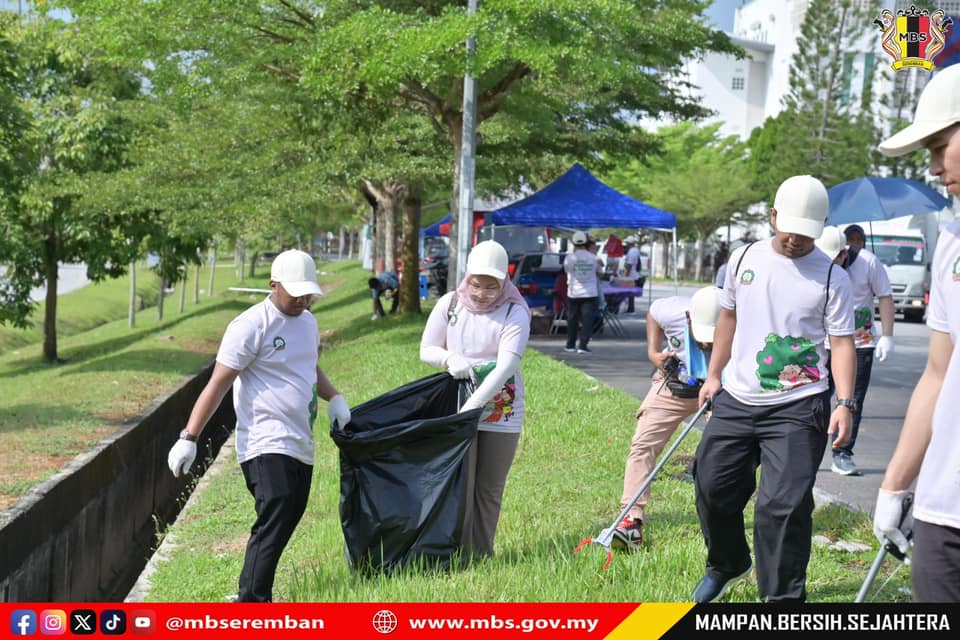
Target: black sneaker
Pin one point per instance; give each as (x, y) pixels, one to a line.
(570, 349)
(628, 536)
(713, 585)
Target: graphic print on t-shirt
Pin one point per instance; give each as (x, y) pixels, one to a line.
(787, 362)
(500, 407)
(863, 326)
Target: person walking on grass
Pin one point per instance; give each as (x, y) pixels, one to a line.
(679, 330)
(869, 280)
(781, 299)
(928, 451)
(583, 292)
(480, 331)
(268, 356)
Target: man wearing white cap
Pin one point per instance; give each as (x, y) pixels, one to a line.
(868, 280)
(679, 337)
(928, 451)
(583, 269)
(781, 300)
(268, 355)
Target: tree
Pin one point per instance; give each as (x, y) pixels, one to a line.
(822, 130)
(699, 176)
(558, 80)
(74, 128)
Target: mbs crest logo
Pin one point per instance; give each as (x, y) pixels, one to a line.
(913, 37)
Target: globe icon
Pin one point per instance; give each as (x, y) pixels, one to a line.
(385, 621)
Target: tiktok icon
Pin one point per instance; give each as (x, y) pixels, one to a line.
(113, 622)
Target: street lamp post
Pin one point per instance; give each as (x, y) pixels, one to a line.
(467, 156)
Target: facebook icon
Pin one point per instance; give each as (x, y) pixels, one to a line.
(23, 622)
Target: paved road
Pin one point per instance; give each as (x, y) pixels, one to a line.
(622, 363)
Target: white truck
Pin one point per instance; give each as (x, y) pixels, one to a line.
(905, 246)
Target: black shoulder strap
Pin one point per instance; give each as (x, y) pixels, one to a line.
(453, 306)
(740, 260)
(826, 301)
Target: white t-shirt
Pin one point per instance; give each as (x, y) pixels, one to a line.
(481, 338)
(938, 484)
(275, 395)
(869, 279)
(630, 262)
(783, 318)
(582, 268)
(671, 314)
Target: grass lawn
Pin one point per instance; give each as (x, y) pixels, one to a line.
(564, 485)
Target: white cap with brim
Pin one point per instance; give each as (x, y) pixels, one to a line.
(937, 109)
(296, 271)
(831, 242)
(704, 311)
(802, 205)
(488, 258)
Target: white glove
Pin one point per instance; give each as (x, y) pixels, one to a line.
(889, 521)
(181, 457)
(338, 411)
(884, 348)
(459, 368)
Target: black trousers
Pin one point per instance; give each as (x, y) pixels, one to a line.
(864, 370)
(787, 441)
(580, 313)
(280, 486)
(936, 563)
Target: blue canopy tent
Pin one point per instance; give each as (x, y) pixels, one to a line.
(578, 200)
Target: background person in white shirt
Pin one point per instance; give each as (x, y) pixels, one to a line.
(268, 355)
(928, 450)
(483, 336)
(781, 300)
(631, 267)
(868, 279)
(583, 270)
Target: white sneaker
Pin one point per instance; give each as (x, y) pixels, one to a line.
(374, 317)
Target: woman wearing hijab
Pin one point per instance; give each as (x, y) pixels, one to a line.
(480, 332)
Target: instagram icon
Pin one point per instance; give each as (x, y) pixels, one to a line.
(53, 622)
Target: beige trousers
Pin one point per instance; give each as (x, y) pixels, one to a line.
(488, 463)
(657, 418)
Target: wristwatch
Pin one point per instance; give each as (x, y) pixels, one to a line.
(849, 404)
(186, 435)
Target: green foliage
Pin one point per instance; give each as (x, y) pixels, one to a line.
(822, 130)
(719, 195)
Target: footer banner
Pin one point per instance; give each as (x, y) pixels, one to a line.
(426, 621)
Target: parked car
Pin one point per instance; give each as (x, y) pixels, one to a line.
(535, 277)
(434, 261)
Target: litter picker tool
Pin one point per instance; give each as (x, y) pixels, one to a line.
(885, 548)
(605, 538)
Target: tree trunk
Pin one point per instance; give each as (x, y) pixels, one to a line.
(183, 293)
(213, 269)
(132, 311)
(389, 214)
(253, 265)
(343, 237)
(410, 286)
(50, 310)
(163, 285)
(196, 284)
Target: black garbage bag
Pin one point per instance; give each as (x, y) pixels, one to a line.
(402, 475)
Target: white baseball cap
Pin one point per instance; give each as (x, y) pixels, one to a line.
(296, 271)
(937, 109)
(802, 204)
(579, 238)
(488, 258)
(630, 240)
(704, 311)
(831, 241)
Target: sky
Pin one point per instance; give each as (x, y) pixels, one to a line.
(721, 13)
